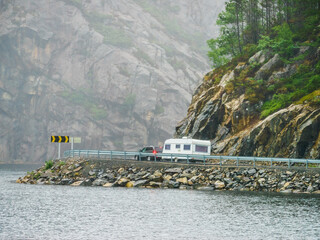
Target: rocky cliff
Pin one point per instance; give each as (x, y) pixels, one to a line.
(119, 74)
(227, 108)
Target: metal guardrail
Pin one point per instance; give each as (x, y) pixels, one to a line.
(188, 157)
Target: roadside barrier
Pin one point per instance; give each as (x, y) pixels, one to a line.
(191, 158)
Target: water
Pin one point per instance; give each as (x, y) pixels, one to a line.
(65, 212)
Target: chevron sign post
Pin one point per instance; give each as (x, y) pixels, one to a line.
(60, 139)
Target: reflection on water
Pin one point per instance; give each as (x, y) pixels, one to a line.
(65, 212)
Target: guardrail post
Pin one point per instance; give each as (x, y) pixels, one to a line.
(254, 161)
(307, 164)
(220, 161)
(289, 163)
(188, 158)
(237, 162)
(98, 153)
(155, 157)
(72, 153)
(139, 156)
(271, 162)
(79, 153)
(204, 160)
(125, 157)
(110, 155)
(171, 157)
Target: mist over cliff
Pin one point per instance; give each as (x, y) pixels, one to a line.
(118, 74)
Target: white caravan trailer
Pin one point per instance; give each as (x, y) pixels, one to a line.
(186, 146)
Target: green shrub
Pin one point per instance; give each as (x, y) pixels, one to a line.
(62, 163)
(282, 43)
(217, 54)
(48, 164)
(276, 103)
(313, 83)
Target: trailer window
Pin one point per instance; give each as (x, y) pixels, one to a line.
(203, 149)
(186, 147)
(167, 146)
(177, 146)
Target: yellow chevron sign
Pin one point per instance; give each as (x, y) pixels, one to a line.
(60, 139)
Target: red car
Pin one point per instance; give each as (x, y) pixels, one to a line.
(149, 149)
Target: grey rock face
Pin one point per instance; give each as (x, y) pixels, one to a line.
(111, 72)
(266, 70)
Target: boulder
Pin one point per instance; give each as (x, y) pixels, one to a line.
(109, 176)
(77, 169)
(252, 171)
(219, 184)
(99, 182)
(167, 177)
(122, 182)
(140, 183)
(173, 184)
(87, 182)
(157, 174)
(129, 184)
(108, 184)
(286, 185)
(266, 70)
(183, 180)
(173, 170)
(182, 187)
(310, 189)
(156, 178)
(260, 57)
(77, 183)
(65, 181)
(187, 175)
(154, 184)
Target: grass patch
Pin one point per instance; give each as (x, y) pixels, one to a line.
(62, 163)
(300, 88)
(48, 164)
(312, 98)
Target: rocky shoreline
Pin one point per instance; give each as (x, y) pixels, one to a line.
(94, 172)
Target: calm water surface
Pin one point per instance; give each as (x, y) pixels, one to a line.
(65, 212)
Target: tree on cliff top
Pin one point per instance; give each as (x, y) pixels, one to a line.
(247, 21)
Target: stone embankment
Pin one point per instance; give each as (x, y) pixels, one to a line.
(85, 172)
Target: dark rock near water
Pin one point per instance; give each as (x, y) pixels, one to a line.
(202, 178)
